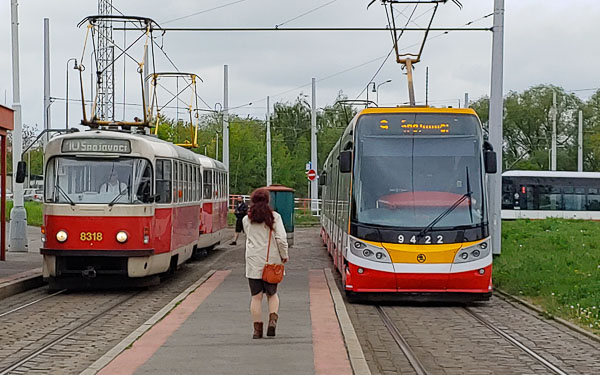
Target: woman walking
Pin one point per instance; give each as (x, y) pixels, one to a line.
(265, 233)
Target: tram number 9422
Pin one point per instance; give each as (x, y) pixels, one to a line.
(438, 239)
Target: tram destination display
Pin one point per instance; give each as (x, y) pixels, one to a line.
(115, 146)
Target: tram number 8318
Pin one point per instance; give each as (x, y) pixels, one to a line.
(439, 239)
(90, 236)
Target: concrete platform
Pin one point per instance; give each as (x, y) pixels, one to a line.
(210, 332)
(22, 271)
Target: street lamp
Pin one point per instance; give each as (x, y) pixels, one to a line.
(67, 99)
(369, 85)
(382, 83)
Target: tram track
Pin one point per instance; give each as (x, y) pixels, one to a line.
(37, 352)
(401, 342)
(15, 309)
(513, 341)
(420, 369)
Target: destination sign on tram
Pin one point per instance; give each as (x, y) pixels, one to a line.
(113, 146)
(442, 124)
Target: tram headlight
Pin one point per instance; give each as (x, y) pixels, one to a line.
(122, 237)
(473, 253)
(61, 236)
(369, 251)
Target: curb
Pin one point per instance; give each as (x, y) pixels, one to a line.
(21, 282)
(103, 361)
(508, 297)
(355, 352)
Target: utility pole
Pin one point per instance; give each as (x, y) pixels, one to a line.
(226, 117)
(427, 86)
(105, 59)
(314, 187)
(554, 114)
(580, 143)
(47, 102)
(466, 100)
(269, 167)
(18, 216)
(495, 125)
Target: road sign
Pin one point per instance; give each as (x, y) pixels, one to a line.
(311, 174)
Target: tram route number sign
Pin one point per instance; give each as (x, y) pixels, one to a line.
(112, 146)
(311, 174)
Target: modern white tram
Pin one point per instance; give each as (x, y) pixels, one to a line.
(543, 194)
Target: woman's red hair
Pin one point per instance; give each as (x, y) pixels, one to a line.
(260, 211)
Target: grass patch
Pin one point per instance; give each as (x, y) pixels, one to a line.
(554, 263)
(34, 212)
(306, 219)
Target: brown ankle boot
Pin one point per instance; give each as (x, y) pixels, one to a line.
(258, 330)
(272, 324)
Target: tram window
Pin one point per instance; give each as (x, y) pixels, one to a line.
(163, 181)
(175, 180)
(193, 182)
(550, 198)
(207, 184)
(199, 183)
(593, 200)
(143, 180)
(573, 199)
(181, 182)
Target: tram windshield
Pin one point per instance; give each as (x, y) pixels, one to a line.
(411, 168)
(98, 181)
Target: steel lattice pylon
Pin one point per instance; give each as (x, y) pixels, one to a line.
(105, 71)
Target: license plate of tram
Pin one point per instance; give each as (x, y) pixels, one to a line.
(90, 236)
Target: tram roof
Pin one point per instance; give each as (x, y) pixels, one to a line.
(450, 111)
(555, 174)
(158, 147)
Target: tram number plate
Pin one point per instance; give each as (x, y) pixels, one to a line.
(427, 240)
(90, 236)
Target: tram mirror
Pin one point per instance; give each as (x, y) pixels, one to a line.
(345, 161)
(323, 179)
(489, 158)
(21, 172)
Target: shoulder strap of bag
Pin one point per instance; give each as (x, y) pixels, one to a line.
(268, 246)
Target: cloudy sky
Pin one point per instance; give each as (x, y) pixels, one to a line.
(546, 41)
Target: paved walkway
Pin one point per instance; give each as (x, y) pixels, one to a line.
(210, 332)
(19, 263)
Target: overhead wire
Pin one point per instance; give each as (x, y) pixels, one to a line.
(306, 13)
(203, 11)
(395, 47)
(259, 100)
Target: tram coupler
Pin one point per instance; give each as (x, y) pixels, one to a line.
(89, 273)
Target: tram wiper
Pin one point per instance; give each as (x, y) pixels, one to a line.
(60, 190)
(451, 208)
(112, 203)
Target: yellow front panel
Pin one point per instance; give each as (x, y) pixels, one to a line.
(406, 253)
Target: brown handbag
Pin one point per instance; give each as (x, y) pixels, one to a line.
(272, 273)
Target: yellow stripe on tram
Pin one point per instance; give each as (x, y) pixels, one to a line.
(434, 253)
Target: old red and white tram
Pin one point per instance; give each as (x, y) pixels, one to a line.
(127, 206)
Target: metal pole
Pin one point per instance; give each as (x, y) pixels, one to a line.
(269, 166)
(580, 144)
(217, 148)
(427, 86)
(554, 114)
(226, 117)
(314, 187)
(67, 91)
(495, 125)
(146, 87)
(411, 87)
(18, 215)
(466, 100)
(47, 77)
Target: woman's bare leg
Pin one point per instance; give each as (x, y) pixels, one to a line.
(256, 308)
(273, 303)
